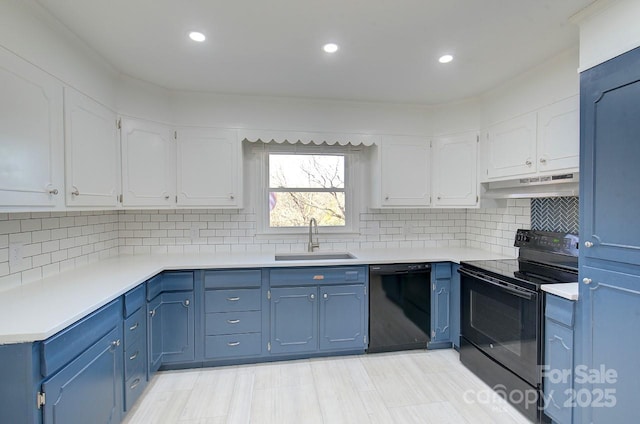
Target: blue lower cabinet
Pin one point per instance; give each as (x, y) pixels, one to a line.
(171, 322)
(294, 319)
(89, 389)
(454, 306)
(342, 317)
(154, 334)
(178, 322)
(440, 305)
(558, 372)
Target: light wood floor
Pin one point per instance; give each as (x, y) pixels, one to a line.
(402, 387)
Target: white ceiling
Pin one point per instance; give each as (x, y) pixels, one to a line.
(388, 48)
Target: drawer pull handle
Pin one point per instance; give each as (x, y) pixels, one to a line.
(232, 344)
(233, 321)
(134, 356)
(134, 326)
(233, 299)
(135, 384)
(318, 277)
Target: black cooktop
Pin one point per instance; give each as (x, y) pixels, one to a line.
(545, 258)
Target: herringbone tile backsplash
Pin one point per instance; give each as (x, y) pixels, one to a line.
(555, 214)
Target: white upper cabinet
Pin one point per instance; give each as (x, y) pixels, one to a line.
(511, 147)
(559, 136)
(401, 173)
(31, 137)
(91, 152)
(542, 142)
(148, 164)
(454, 166)
(209, 168)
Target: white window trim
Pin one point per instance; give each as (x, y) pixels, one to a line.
(353, 202)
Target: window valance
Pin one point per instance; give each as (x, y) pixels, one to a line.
(293, 137)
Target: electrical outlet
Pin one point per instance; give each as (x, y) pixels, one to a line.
(15, 255)
(195, 233)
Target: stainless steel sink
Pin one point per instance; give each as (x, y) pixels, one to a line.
(313, 256)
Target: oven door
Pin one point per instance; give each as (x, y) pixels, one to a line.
(503, 320)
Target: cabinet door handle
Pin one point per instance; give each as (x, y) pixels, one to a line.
(233, 321)
(186, 303)
(115, 343)
(231, 196)
(232, 344)
(326, 296)
(166, 197)
(586, 280)
(135, 384)
(152, 313)
(313, 296)
(543, 161)
(528, 163)
(233, 299)
(134, 326)
(588, 244)
(386, 198)
(53, 191)
(75, 191)
(134, 356)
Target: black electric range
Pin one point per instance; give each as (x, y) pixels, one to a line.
(502, 311)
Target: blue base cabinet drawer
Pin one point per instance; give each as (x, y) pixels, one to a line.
(135, 327)
(61, 348)
(133, 388)
(233, 323)
(232, 300)
(134, 300)
(233, 345)
(134, 359)
(232, 279)
(317, 276)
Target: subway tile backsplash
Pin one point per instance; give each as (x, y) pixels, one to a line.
(55, 242)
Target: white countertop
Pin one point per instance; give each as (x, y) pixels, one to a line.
(566, 290)
(40, 309)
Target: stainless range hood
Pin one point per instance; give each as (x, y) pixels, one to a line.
(559, 185)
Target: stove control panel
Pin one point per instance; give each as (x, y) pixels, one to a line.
(548, 241)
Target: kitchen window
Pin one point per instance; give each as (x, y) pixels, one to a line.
(301, 182)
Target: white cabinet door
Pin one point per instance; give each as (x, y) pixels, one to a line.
(559, 136)
(404, 172)
(511, 147)
(91, 152)
(455, 176)
(31, 137)
(148, 164)
(209, 168)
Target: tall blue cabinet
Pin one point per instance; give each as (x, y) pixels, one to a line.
(608, 310)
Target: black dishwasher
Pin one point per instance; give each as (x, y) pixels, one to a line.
(399, 307)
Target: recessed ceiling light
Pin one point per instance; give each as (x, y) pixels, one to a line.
(197, 36)
(445, 59)
(330, 47)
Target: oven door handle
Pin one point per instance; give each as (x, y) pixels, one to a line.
(520, 293)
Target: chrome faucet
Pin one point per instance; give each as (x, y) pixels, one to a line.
(311, 244)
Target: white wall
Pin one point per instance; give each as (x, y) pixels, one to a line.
(608, 28)
(299, 114)
(549, 82)
(31, 33)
